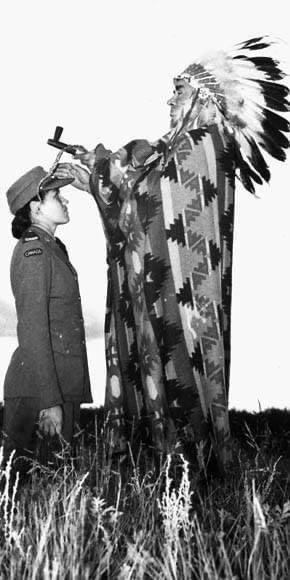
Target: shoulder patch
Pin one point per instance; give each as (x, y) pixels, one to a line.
(33, 252)
(30, 237)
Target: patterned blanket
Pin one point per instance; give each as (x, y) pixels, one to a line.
(169, 230)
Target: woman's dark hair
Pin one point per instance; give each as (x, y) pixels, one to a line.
(22, 219)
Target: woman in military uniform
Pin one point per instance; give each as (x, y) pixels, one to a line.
(48, 376)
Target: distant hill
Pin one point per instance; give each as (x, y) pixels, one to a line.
(93, 326)
(7, 319)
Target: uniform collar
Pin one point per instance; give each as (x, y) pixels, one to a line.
(43, 233)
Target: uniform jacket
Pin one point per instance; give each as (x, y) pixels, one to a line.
(51, 360)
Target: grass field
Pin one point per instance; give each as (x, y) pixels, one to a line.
(131, 521)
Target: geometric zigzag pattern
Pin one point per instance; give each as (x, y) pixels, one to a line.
(167, 328)
(195, 204)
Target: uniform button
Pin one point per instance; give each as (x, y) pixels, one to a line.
(79, 297)
(83, 342)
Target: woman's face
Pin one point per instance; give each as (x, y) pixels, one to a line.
(53, 208)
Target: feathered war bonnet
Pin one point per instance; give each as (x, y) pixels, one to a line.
(243, 86)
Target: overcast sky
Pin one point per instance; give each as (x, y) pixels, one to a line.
(103, 70)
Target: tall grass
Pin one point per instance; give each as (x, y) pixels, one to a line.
(108, 518)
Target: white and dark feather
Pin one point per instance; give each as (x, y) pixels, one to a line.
(245, 87)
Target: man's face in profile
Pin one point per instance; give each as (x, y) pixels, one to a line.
(180, 101)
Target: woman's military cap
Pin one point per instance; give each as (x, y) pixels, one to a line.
(30, 184)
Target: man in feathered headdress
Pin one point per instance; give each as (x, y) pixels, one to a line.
(168, 212)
